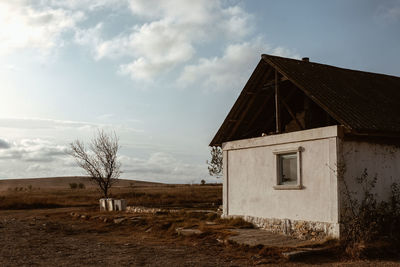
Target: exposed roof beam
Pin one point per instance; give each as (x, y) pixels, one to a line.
(253, 97)
(277, 104)
(292, 114)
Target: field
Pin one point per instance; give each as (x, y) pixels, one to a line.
(45, 222)
(57, 193)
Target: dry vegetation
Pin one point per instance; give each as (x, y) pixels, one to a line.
(74, 222)
(136, 194)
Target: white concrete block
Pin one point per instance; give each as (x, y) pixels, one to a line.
(119, 205)
(103, 204)
(110, 204)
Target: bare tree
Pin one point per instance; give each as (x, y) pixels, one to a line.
(100, 162)
(215, 165)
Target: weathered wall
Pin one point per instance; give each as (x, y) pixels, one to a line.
(250, 177)
(380, 160)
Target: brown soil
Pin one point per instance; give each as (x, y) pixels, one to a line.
(54, 237)
(50, 233)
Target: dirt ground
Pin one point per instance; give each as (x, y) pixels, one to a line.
(39, 226)
(52, 237)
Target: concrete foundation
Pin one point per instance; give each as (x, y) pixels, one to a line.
(110, 204)
(304, 230)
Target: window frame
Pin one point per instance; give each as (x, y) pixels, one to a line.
(277, 154)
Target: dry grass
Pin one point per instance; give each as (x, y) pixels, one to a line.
(182, 196)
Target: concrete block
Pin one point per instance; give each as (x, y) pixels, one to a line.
(119, 205)
(110, 204)
(103, 204)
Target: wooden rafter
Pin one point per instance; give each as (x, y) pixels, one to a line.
(253, 97)
(260, 109)
(277, 104)
(222, 132)
(292, 114)
(272, 118)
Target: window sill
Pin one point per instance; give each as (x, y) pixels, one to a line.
(288, 187)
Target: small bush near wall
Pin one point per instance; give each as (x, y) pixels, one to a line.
(369, 220)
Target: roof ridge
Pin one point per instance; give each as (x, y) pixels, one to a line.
(266, 56)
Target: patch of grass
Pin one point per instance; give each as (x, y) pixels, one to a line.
(181, 196)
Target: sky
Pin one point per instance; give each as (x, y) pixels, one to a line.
(161, 74)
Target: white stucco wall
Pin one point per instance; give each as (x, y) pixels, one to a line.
(380, 160)
(250, 177)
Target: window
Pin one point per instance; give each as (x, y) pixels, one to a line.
(288, 169)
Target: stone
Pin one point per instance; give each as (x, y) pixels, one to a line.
(188, 232)
(119, 220)
(296, 228)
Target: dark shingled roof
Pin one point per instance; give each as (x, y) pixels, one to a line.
(364, 102)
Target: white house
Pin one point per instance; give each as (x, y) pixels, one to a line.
(298, 133)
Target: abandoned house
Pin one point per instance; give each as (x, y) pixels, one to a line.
(298, 133)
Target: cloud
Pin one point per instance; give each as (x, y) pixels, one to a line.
(393, 13)
(36, 158)
(43, 123)
(158, 47)
(40, 158)
(4, 144)
(170, 37)
(161, 166)
(232, 69)
(86, 4)
(49, 124)
(33, 150)
(35, 27)
(389, 12)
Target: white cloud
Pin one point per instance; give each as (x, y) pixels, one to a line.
(27, 158)
(389, 11)
(32, 150)
(393, 13)
(39, 158)
(86, 4)
(52, 124)
(170, 37)
(26, 26)
(200, 11)
(232, 69)
(4, 144)
(161, 166)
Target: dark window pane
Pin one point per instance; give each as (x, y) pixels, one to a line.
(288, 168)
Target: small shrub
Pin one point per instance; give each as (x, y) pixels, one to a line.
(203, 182)
(368, 220)
(73, 185)
(81, 186)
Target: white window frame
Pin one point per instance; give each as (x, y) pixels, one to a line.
(277, 154)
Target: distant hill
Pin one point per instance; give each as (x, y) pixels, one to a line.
(63, 182)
